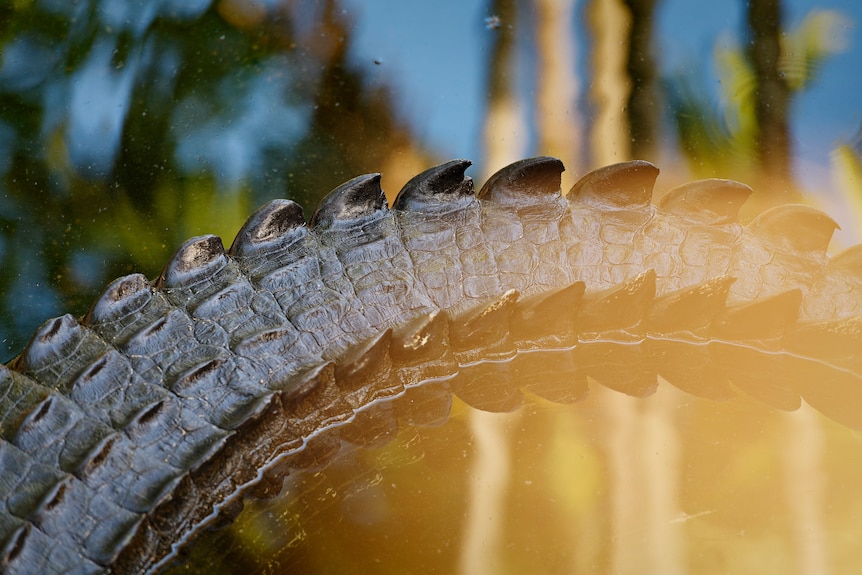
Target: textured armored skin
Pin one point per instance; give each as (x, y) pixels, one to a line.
(126, 432)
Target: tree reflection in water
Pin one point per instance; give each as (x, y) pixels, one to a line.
(402, 507)
(128, 127)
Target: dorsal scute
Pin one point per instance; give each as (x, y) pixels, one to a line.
(713, 201)
(760, 320)
(548, 315)
(365, 362)
(484, 324)
(351, 202)
(426, 335)
(525, 181)
(49, 344)
(795, 228)
(619, 307)
(270, 224)
(619, 186)
(59, 352)
(124, 295)
(440, 188)
(197, 259)
(690, 308)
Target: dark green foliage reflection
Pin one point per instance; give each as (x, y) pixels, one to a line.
(128, 127)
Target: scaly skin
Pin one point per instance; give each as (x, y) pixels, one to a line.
(125, 433)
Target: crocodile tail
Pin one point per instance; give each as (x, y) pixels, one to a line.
(124, 433)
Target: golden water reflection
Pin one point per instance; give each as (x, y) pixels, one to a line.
(613, 484)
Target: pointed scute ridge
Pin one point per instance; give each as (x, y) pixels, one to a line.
(53, 336)
(712, 201)
(795, 228)
(531, 178)
(438, 187)
(689, 308)
(365, 363)
(120, 294)
(427, 335)
(198, 257)
(548, 315)
(269, 223)
(624, 185)
(352, 200)
(762, 319)
(618, 307)
(484, 324)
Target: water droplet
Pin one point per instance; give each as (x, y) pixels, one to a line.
(492, 22)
